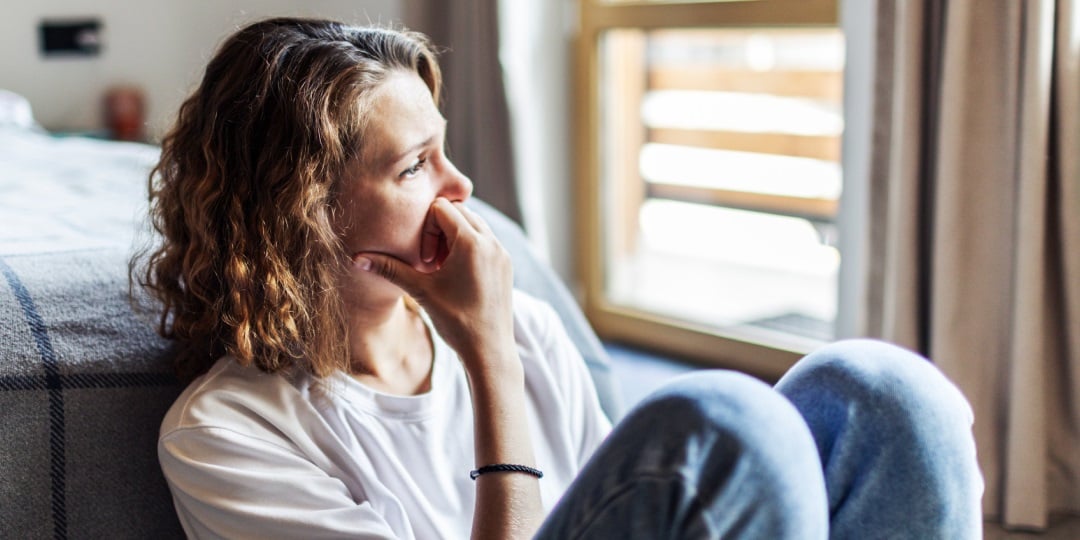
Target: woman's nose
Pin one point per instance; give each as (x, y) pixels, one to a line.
(456, 186)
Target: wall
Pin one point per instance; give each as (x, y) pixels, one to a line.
(163, 46)
(159, 45)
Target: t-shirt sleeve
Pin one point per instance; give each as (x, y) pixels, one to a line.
(230, 485)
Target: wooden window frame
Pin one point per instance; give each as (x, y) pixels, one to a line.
(766, 357)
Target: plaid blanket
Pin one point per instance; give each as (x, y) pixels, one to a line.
(84, 383)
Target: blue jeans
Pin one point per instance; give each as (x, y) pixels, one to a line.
(860, 439)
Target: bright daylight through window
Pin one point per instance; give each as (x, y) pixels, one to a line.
(718, 177)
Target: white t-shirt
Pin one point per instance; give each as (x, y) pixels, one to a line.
(253, 455)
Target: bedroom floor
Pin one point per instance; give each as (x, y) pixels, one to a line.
(640, 372)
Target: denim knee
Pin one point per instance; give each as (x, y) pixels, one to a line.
(900, 387)
(894, 436)
(762, 460)
(745, 410)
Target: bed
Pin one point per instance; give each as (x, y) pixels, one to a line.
(84, 381)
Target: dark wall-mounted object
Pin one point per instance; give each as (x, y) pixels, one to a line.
(70, 37)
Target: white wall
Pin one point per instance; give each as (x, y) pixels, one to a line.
(159, 45)
(163, 46)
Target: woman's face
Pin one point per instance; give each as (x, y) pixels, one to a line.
(387, 193)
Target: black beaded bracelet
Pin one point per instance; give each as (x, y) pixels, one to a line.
(506, 467)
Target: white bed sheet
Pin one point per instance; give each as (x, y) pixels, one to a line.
(71, 193)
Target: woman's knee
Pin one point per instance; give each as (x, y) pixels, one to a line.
(878, 376)
(747, 415)
(709, 455)
(743, 446)
(864, 398)
(894, 435)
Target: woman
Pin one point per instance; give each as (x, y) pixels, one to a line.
(357, 348)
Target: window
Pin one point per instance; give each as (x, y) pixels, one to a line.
(710, 176)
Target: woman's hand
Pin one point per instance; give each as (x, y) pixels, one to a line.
(469, 294)
(468, 297)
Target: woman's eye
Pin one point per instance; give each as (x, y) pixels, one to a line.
(414, 169)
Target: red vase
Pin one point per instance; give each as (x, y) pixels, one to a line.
(124, 112)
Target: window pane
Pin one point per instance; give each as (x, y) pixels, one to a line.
(721, 176)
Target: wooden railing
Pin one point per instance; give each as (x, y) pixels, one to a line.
(813, 84)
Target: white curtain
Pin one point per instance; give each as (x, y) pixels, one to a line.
(975, 242)
(536, 58)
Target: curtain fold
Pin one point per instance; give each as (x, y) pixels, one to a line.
(474, 98)
(1064, 389)
(974, 254)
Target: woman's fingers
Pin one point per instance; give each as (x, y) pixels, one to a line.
(464, 281)
(443, 225)
(393, 270)
(447, 219)
(473, 218)
(430, 238)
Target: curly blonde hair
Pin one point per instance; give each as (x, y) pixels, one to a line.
(243, 196)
